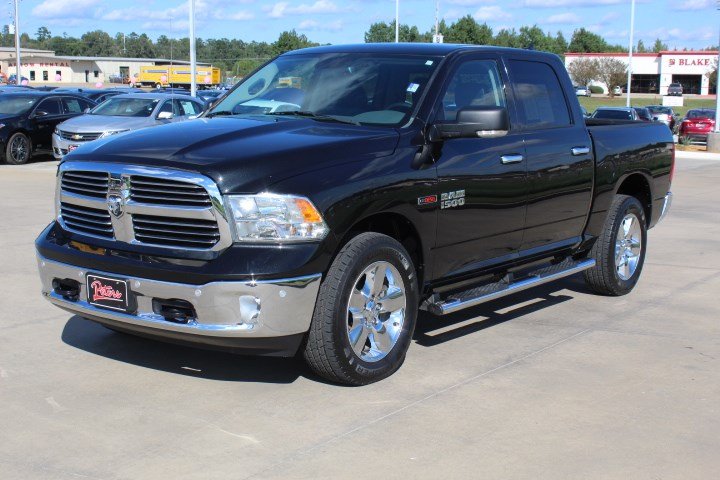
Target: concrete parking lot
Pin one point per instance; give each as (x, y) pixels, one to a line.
(553, 383)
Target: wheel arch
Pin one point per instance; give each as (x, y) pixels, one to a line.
(637, 185)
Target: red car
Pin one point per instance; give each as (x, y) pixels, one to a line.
(697, 124)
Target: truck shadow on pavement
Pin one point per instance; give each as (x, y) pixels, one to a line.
(193, 362)
(214, 365)
(433, 330)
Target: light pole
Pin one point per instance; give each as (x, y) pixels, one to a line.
(630, 50)
(18, 77)
(397, 21)
(193, 60)
(717, 85)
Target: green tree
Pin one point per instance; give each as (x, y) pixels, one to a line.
(98, 44)
(533, 38)
(641, 47)
(507, 38)
(561, 45)
(43, 34)
(381, 32)
(467, 31)
(246, 65)
(291, 40)
(659, 46)
(584, 41)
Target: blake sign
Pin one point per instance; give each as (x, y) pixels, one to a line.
(689, 62)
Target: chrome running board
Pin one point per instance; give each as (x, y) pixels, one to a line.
(491, 291)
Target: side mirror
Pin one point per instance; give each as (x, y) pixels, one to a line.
(41, 113)
(165, 115)
(473, 122)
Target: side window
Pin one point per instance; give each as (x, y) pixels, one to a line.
(189, 107)
(475, 83)
(49, 105)
(166, 107)
(540, 98)
(71, 105)
(85, 104)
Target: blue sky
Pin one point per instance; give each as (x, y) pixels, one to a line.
(679, 23)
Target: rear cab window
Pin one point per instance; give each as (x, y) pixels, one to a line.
(541, 103)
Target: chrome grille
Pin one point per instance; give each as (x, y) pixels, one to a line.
(79, 137)
(137, 205)
(161, 191)
(92, 221)
(91, 184)
(176, 232)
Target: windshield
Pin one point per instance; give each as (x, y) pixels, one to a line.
(126, 107)
(613, 114)
(16, 104)
(701, 114)
(661, 110)
(353, 87)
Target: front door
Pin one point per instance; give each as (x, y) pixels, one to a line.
(46, 116)
(482, 181)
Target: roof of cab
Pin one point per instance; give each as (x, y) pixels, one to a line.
(438, 49)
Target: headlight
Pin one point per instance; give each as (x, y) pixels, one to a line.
(275, 218)
(107, 134)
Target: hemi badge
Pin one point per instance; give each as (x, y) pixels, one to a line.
(428, 200)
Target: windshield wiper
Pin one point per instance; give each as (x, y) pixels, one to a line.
(315, 116)
(219, 113)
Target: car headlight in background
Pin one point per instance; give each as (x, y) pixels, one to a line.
(268, 217)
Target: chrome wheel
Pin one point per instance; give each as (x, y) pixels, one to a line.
(628, 247)
(376, 311)
(19, 149)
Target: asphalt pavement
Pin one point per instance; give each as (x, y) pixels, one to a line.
(553, 383)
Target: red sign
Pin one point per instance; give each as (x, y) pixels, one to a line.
(688, 62)
(105, 292)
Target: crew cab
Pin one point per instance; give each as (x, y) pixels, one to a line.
(412, 176)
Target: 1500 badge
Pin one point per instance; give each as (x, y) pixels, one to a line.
(452, 199)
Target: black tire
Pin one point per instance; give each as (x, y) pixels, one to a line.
(328, 350)
(604, 278)
(13, 155)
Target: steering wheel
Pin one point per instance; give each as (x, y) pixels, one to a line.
(399, 106)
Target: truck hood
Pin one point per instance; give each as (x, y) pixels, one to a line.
(244, 154)
(104, 123)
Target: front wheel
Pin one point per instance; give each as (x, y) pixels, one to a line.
(620, 250)
(17, 151)
(365, 313)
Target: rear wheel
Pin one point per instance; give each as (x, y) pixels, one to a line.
(620, 249)
(365, 313)
(17, 151)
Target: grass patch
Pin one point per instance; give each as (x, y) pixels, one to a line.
(591, 103)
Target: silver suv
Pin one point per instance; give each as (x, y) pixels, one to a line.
(675, 89)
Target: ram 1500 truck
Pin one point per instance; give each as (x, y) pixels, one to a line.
(382, 180)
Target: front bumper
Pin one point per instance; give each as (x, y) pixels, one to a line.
(61, 147)
(246, 311)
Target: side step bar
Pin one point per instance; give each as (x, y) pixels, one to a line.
(485, 293)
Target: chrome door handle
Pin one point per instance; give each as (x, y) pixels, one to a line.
(577, 151)
(507, 159)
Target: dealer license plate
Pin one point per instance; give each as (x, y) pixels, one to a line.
(105, 292)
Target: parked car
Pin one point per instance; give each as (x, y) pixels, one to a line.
(617, 91)
(176, 91)
(663, 114)
(325, 229)
(28, 119)
(97, 95)
(582, 91)
(123, 113)
(643, 114)
(616, 113)
(697, 124)
(585, 112)
(675, 89)
(208, 96)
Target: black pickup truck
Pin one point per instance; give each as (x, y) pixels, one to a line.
(338, 190)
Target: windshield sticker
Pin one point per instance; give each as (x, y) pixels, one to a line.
(413, 87)
(429, 62)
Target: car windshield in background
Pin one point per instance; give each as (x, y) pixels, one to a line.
(16, 104)
(346, 87)
(665, 110)
(701, 114)
(613, 114)
(126, 107)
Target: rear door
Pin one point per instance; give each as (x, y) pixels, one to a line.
(560, 164)
(482, 181)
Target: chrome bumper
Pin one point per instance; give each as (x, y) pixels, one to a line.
(255, 309)
(666, 206)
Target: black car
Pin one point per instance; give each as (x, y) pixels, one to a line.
(28, 119)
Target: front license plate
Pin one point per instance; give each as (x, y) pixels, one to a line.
(107, 292)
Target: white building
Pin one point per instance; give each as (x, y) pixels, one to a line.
(654, 72)
(44, 67)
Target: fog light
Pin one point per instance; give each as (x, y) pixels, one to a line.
(249, 309)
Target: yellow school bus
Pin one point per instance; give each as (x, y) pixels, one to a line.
(177, 75)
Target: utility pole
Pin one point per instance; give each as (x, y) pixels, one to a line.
(397, 21)
(630, 51)
(193, 60)
(437, 38)
(18, 76)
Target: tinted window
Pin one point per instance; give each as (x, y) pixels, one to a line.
(49, 105)
(701, 114)
(475, 83)
(166, 107)
(72, 105)
(540, 98)
(613, 114)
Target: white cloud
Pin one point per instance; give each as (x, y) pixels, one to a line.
(564, 18)
(570, 3)
(694, 4)
(281, 9)
(491, 13)
(314, 25)
(57, 9)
